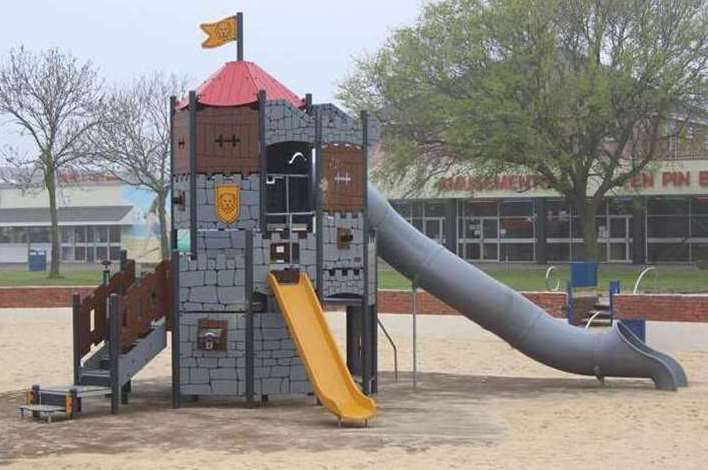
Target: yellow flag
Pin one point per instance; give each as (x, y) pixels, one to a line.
(220, 32)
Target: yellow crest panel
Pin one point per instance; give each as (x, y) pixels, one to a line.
(228, 203)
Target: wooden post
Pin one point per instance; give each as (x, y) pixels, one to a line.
(366, 336)
(262, 98)
(319, 214)
(193, 173)
(174, 269)
(250, 354)
(114, 350)
(76, 333)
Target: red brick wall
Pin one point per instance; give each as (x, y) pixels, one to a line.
(39, 297)
(655, 307)
(662, 307)
(395, 301)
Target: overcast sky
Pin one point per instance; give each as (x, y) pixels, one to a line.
(307, 44)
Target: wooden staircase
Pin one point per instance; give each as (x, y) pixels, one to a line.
(117, 331)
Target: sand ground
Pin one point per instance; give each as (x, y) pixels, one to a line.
(478, 404)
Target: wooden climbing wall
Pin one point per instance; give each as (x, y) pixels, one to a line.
(343, 178)
(227, 141)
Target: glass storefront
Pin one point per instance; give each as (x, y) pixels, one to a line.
(675, 228)
(84, 244)
(427, 216)
(90, 244)
(564, 234)
(496, 230)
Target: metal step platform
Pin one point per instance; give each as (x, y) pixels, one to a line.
(41, 411)
(44, 403)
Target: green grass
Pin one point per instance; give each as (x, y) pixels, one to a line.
(11, 276)
(683, 279)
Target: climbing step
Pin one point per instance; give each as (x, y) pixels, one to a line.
(41, 411)
(599, 318)
(44, 403)
(95, 377)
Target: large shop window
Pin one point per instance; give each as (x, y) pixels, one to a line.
(496, 230)
(564, 231)
(90, 244)
(13, 234)
(699, 225)
(427, 216)
(39, 235)
(677, 229)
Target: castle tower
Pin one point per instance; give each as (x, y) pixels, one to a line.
(264, 181)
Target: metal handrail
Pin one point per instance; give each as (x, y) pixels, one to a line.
(644, 272)
(592, 318)
(393, 345)
(549, 272)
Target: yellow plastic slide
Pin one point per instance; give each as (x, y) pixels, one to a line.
(328, 373)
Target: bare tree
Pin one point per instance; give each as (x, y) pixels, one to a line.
(53, 99)
(132, 143)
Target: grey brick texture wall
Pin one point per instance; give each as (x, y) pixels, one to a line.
(263, 265)
(285, 123)
(206, 214)
(343, 269)
(216, 280)
(277, 366)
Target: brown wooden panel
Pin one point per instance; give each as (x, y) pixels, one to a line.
(343, 172)
(143, 303)
(95, 305)
(227, 141)
(180, 142)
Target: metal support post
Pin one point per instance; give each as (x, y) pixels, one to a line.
(414, 288)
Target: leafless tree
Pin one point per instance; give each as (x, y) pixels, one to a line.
(132, 142)
(53, 99)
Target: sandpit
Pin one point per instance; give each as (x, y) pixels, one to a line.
(479, 404)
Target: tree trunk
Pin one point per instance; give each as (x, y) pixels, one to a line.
(50, 183)
(164, 229)
(588, 223)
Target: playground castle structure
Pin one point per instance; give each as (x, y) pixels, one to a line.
(265, 182)
(268, 226)
(273, 219)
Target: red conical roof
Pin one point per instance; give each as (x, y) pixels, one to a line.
(238, 83)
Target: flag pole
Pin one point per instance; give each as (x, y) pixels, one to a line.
(239, 35)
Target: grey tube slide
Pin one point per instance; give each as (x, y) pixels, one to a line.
(508, 314)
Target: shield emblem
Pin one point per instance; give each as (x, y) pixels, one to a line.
(228, 203)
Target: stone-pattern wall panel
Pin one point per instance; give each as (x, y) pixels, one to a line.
(343, 268)
(249, 215)
(277, 366)
(263, 264)
(285, 123)
(216, 279)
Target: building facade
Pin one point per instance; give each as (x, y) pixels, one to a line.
(98, 217)
(659, 217)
